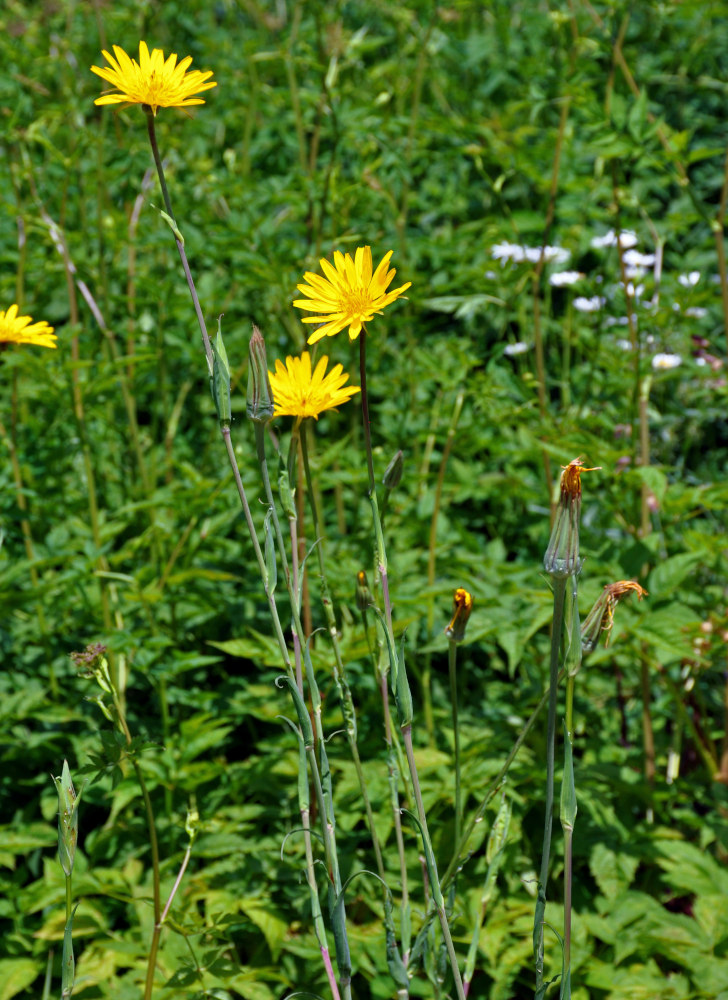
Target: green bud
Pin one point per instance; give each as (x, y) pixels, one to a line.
(260, 394)
(221, 379)
(364, 597)
(67, 819)
(393, 473)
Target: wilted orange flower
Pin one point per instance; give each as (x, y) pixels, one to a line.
(601, 617)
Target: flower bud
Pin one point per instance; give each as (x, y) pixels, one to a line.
(393, 473)
(221, 379)
(364, 597)
(260, 394)
(562, 555)
(462, 606)
(67, 819)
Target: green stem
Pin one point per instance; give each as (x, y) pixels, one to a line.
(559, 585)
(326, 814)
(436, 888)
(452, 668)
(340, 679)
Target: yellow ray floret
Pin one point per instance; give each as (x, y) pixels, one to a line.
(16, 329)
(153, 81)
(349, 294)
(299, 392)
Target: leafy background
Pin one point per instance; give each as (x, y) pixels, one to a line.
(431, 131)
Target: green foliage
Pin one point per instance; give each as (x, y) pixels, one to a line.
(431, 131)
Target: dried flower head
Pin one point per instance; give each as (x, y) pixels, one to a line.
(350, 294)
(153, 81)
(562, 555)
(462, 606)
(16, 329)
(601, 617)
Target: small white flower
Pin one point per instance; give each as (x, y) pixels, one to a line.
(697, 312)
(594, 304)
(520, 347)
(634, 272)
(627, 239)
(701, 362)
(551, 255)
(633, 258)
(562, 278)
(508, 251)
(624, 345)
(616, 321)
(491, 275)
(663, 362)
(689, 280)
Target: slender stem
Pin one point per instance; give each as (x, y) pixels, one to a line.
(365, 407)
(559, 585)
(455, 863)
(347, 702)
(718, 225)
(177, 235)
(225, 431)
(437, 892)
(452, 669)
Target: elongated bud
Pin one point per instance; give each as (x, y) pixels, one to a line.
(260, 394)
(68, 802)
(462, 606)
(393, 473)
(364, 597)
(601, 617)
(562, 555)
(221, 378)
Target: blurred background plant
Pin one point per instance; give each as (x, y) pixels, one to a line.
(553, 183)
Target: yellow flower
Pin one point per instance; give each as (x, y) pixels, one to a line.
(299, 393)
(349, 295)
(153, 81)
(16, 329)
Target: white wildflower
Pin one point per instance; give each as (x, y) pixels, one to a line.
(626, 238)
(520, 347)
(633, 258)
(594, 304)
(664, 362)
(562, 278)
(689, 280)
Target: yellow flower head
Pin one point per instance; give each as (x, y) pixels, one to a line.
(349, 295)
(153, 81)
(16, 329)
(297, 392)
(462, 607)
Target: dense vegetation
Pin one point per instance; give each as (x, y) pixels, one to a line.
(497, 149)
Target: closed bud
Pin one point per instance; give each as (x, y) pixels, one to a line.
(364, 597)
(67, 819)
(260, 395)
(221, 379)
(462, 606)
(393, 473)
